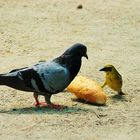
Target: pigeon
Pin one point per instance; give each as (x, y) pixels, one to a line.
(47, 77)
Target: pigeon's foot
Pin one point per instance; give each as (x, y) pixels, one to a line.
(41, 104)
(52, 106)
(56, 106)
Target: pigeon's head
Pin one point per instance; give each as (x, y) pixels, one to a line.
(77, 50)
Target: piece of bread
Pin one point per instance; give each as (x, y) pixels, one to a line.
(88, 90)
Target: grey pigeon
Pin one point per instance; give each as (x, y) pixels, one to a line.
(47, 78)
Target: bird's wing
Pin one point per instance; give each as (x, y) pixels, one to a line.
(118, 76)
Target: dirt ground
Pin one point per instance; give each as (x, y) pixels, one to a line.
(33, 30)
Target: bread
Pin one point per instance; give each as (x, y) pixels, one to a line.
(88, 90)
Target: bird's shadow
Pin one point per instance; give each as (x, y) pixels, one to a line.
(118, 97)
(43, 110)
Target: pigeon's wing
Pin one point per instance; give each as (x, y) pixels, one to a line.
(14, 70)
(26, 78)
(42, 78)
(32, 79)
(21, 79)
(54, 76)
(46, 77)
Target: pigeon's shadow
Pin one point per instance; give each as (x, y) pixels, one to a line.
(43, 110)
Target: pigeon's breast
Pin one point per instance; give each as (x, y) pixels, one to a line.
(55, 77)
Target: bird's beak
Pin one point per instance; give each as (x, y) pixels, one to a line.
(86, 56)
(103, 69)
(106, 69)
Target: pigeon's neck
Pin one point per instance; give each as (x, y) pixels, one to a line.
(72, 63)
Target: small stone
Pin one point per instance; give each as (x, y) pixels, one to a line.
(80, 6)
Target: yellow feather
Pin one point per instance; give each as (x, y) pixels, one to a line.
(113, 79)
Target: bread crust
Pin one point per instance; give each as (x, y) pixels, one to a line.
(88, 90)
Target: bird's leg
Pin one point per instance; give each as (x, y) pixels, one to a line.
(120, 92)
(50, 104)
(103, 85)
(37, 103)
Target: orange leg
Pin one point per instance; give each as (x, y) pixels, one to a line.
(51, 105)
(47, 103)
(37, 103)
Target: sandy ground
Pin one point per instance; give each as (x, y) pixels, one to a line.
(33, 30)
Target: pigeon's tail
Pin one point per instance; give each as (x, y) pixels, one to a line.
(1, 80)
(13, 82)
(4, 80)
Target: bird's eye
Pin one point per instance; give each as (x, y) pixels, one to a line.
(109, 69)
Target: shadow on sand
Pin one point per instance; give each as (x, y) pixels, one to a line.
(118, 97)
(41, 110)
(88, 103)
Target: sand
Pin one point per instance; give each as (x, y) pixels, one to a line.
(33, 30)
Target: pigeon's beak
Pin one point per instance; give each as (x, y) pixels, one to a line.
(86, 56)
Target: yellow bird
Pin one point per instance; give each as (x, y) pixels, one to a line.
(113, 78)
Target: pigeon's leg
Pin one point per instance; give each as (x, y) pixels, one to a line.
(50, 104)
(37, 103)
(36, 99)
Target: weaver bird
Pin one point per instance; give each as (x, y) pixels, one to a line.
(47, 78)
(113, 79)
